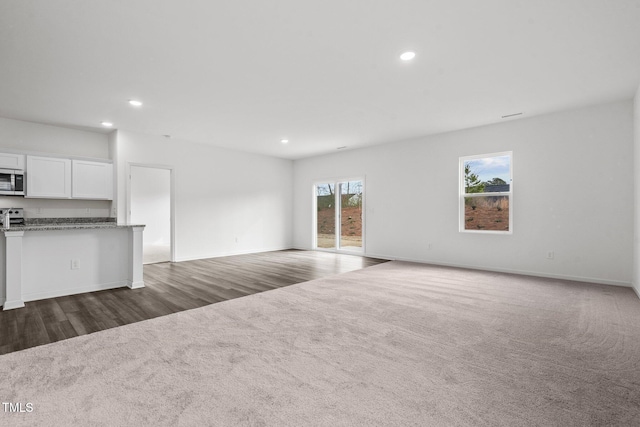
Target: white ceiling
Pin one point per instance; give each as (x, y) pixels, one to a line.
(324, 74)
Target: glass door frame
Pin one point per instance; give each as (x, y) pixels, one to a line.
(338, 219)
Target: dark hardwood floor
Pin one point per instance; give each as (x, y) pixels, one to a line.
(169, 288)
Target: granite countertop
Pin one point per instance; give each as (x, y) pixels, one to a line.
(66, 226)
(42, 224)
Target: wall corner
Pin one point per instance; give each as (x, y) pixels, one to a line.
(636, 193)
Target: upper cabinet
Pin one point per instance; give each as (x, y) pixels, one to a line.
(11, 161)
(63, 178)
(48, 177)
(92, 180)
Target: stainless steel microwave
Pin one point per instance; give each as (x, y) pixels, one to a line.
(11, 182)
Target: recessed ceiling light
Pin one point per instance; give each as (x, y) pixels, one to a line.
(107, 124)
(284, 141)
(135, 103)
(408, 56)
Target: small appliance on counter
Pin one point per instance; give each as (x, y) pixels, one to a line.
(16, 216)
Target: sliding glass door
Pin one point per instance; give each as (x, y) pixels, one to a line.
(339, 215)
(350, 214)
(325, 216)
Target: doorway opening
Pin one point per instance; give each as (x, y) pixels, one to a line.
(150, 203)
(339, 215)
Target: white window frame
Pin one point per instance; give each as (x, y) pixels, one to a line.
(314, 235)
(463, 195)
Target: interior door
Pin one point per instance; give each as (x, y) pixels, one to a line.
(151, 206)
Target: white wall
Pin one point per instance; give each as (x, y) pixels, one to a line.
(3, 270)
(573, 178)
(636, 211)
(220, 195)
(103, 255)
(20, 136)
(36, 137)
(152, 205)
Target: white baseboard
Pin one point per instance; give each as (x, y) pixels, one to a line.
(511, 271)
(73, 291)
(636, 291)
(499, 270)
(135, 285)
(10, 305)
(231, 253)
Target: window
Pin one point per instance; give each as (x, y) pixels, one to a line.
(486, 187)
(338, 215)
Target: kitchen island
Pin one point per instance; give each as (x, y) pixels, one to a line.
(61, 257)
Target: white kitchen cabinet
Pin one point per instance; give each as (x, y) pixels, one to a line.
(92, 180)
(11, 161)
(48, 177)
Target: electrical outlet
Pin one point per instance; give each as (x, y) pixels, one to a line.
(429, 246)
(88, 211)
(75, 264)
(550, 254)
(38, 211)
(236, 240)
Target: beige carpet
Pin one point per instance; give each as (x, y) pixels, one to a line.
(394, 344)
